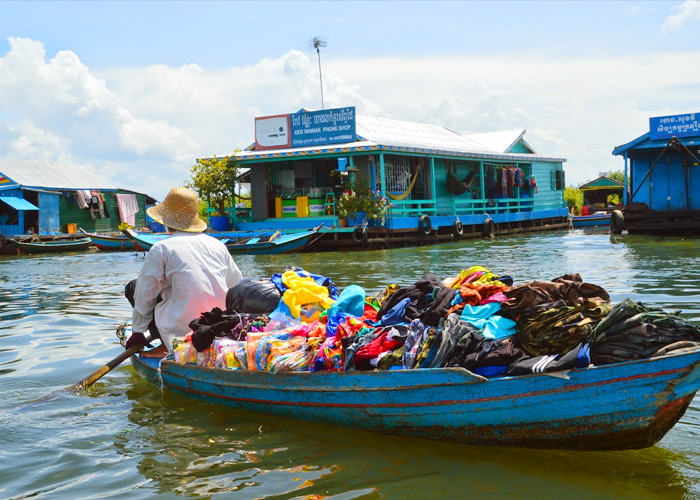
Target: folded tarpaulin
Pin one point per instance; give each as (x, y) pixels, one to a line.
(128, 208)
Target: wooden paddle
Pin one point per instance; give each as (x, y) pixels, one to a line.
(95, 376)
(104, 370)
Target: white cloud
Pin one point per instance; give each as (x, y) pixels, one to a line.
(682, 14)
(143, 127)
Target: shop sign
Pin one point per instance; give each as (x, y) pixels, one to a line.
(306, 128)
(329, 126)
(665, 127)
(272, 132)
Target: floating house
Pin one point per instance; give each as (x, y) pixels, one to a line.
(663, 180)
(600, 198)
(441, 184)
(55, 198)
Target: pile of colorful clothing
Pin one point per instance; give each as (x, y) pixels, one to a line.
(476, 320)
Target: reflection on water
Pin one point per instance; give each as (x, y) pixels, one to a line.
(126, 438)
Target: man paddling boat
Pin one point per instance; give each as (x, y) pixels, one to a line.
(183, 276)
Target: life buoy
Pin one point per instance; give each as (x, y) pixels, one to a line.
(424, 225)
(489, 228)
(359, 235)
(617, 222)
(458, 228)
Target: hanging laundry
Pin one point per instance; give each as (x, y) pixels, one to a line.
(128, 208)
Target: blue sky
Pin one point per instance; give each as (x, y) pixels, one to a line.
(138, 90)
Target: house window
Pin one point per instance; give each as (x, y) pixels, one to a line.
(558, 180)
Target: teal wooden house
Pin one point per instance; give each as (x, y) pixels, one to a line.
(42, 198)
(437, 181)
(662, 177)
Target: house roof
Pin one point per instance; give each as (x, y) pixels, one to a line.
(602, 182)
(645, 142)
(58, 176)
(502, 141)
(396, 135)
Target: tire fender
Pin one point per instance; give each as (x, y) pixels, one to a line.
(489, 228)
(359, 235)
(458, 228)
(617, 222)
(424, 225)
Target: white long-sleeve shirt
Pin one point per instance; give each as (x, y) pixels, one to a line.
(192, 272)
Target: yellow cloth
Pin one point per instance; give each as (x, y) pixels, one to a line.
(302, 291)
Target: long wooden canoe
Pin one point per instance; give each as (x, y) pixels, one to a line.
(111, 243)
(77, 245)
(619, 406)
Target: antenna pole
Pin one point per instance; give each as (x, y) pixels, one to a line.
(317, 42)
(320, 76)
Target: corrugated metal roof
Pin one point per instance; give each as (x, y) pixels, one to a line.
(396, 135)
(69, 176)
(498, 141)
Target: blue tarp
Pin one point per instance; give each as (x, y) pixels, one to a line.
(18, 203)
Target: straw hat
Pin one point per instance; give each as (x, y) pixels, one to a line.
(179, 210)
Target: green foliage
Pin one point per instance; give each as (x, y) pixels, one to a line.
(617, 175)
(573, 197)
(214, 180)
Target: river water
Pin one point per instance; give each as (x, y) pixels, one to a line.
(124, 438)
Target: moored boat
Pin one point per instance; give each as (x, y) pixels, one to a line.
(617, 406)
(77, 245)
(277, 243)
(593, 220)
(111, 242)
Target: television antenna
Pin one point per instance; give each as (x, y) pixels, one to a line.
(316, 43)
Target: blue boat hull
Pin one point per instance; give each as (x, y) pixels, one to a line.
(590, 220)
(287, 243)
(112, 243)
(622, 406)
(257, 245)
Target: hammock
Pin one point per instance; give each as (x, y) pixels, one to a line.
(456, 186)
(406, 193)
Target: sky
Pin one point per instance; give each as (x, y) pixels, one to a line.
(138, 90)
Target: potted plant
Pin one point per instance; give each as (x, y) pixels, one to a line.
(214, 180)
(346, 206)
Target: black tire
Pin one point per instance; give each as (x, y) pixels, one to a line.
(424, 225)
(359, 235)
(617, 222)
(3, 241)
(489, 228)
(458, 228)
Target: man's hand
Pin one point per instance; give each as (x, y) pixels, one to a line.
(136, 339)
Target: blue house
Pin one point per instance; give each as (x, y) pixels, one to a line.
(42, 198)
(664, 178)
(438, 181)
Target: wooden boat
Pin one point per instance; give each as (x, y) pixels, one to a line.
(253, 245)
(276, 244)
(593, 220)
(114, 242)
(619, 406)
(144, 240)
(77, 245)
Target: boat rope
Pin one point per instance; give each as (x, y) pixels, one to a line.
(160, 377)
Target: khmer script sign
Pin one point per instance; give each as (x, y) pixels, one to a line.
(306, 128)
(329, 126)
(665, 127)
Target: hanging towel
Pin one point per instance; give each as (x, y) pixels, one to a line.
(80, 196)
(128, 208)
